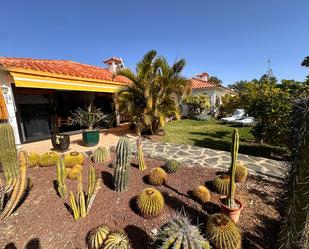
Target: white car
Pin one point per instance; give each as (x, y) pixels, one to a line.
(238, 114)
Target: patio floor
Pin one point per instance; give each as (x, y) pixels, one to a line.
(108, 138)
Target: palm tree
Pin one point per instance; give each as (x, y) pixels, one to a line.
(305, 62)
(154, 93)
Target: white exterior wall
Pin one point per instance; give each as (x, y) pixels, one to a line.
(5, 82)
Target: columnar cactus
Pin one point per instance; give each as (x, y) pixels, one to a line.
(122, 169)
(222, 184)
(73, 158)
(150, 202)
(180, 233)
(8, 154)
(18, 187)
(101, 155)
(222, 232)
(61, 175)
(234, 154)
(140, 155)
(97, 236)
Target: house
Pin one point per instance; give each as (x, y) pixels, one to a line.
(201, 84)
(36, 93)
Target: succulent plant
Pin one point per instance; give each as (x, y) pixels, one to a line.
(117, 240)
(73, 158)
(222, 183)
(180, 233)
(201, 194)
(49, 159)
(150, 202)
(75, 172)
(241, 172)
(122, 169)
(157, 177)
(140, 155)
(61, 186)
(171, 166)
(222, 232)
(18, 188)
(97, 236)
(101, 155)
(33, 159)
(8, 154)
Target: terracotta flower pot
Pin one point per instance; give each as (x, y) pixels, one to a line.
(233, 213)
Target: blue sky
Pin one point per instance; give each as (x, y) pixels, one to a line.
(229, 39)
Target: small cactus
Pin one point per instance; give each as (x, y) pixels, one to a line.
(171, 166)
(201, 194)
(75, 172)
(122, 169)
(49, 159)
(117, 240)
(33, 159)
(62, 188)
(73, 158)
(157, 177)
(241, 173)
(222, 183)
(180, 233)
(150, 202)
(140, 155)
(101, 155)
(222, 232)
(97, 236)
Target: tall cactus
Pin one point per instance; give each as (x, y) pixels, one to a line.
(294, 232)
(19, 187)
(8, 154)
(140, 155)
(122, 169)
(234, 155)
(62, 188)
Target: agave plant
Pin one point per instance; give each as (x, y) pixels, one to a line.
(154, 93)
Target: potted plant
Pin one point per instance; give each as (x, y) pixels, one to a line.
(229, 205)
(59, 141)
(89, 118)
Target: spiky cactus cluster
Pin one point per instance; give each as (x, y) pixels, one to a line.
(82, 204)
(73, 158)
(201, 194)
(117, 240)
(8, 153)
(222, 183)
(101, 155)
(157, 177)
(241, 172)
(49, 159)
(122, 169)
(180, 233)
(33, 159)
(61, 175)
(75, 172)
(97, 236)
(171, 166)
(140, 155)
(16, 190)
(222, 232)
(150, 202)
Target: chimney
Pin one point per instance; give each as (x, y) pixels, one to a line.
(203, 76)
(114, 64)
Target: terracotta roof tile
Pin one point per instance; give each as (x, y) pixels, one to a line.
(202, 84)
(62, 67)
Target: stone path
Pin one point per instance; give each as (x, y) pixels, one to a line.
(194, 155)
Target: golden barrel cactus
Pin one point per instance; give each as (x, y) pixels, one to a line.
(49, 159)
(73, 158)
(201, 194)
(33, 159)
(222, 183)
(75, 172)
(117, 240)
(150, 202)
(157, 177)
(97, 236)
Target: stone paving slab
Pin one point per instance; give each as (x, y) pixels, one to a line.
(193, 155)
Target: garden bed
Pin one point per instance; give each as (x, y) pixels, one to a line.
(44, 219)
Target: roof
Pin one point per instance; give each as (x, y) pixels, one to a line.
(61, 68)
(201, 84)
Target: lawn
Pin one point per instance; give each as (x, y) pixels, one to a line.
(215, 135)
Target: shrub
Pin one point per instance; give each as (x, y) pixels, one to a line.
(198, 103)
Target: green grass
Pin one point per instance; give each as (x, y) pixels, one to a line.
(214, 135)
